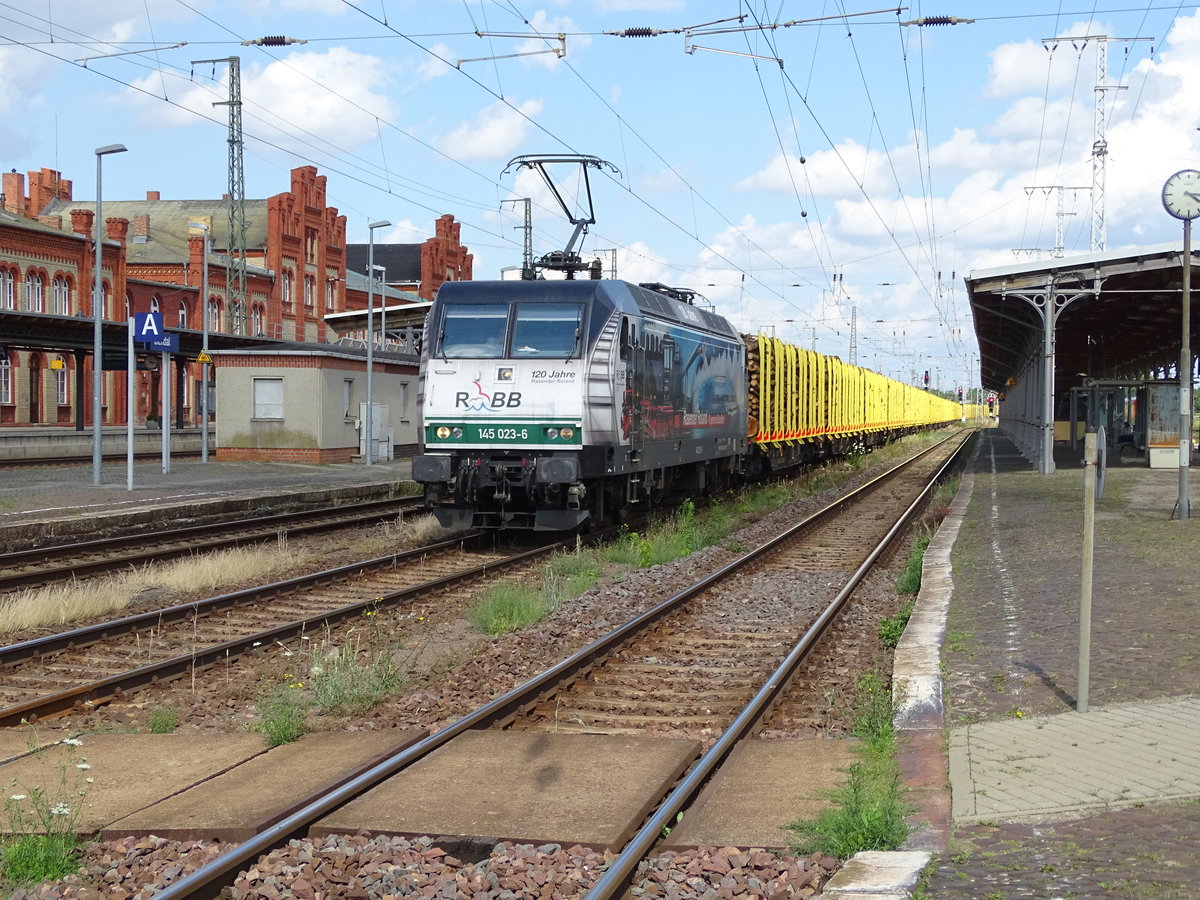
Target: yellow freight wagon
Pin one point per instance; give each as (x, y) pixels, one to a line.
(804, 406)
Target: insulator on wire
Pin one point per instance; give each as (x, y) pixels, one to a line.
(636, 32)
(273, 40)
(939, 20)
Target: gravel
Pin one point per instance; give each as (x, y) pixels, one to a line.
(455, 676)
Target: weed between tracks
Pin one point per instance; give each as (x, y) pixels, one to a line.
(60, 604)
(329, 679)
(42, 812)
(868, 810)
(63, 603)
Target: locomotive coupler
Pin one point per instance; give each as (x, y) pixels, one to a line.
(575, 494)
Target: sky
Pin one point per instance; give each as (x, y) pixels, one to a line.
(814, 169)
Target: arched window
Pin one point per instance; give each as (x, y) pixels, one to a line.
(34, 299)
(6, 378)
(8, 294)
(62, 296)
(329, 293)
(256, 320)
(285, 288)
(309, 290)
(214, 314)
(62, 381)
(154, 304)
(182, 314)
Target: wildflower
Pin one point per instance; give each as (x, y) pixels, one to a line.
(288, 653)
(83, 765)
(256, 644)
(74, 742)
(89, 780)
(17, 798)
(317, 671)
(305, 637)
(60, 809)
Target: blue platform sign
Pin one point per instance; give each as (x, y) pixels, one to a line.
(148, 329)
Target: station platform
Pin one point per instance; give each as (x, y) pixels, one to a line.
(1019, 792)
(56, 503)
(998, 760)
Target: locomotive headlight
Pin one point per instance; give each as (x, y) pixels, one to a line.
(566, 432)
(552, 433)
(443, 432)
(456, 431)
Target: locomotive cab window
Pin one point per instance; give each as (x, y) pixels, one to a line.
(546, 330)
(474, 331)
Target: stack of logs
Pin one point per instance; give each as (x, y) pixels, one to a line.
(753, 366)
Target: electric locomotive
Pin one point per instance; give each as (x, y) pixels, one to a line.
(550, 404)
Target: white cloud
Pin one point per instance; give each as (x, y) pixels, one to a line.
(496, 132)
(432, 67)
(550, 28)
(333, 95)
(1034, 67)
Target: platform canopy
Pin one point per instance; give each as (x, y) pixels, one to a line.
(1118, 315)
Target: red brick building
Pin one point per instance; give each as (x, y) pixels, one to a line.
(420, 268)
(296, 274)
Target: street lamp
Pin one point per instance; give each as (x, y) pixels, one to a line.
(370, 332)
(382, 270)
(204, 365)
(98, 314)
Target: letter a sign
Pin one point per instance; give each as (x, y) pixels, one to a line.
(148, 329)
(147, 326)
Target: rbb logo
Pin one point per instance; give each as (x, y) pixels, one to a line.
(498, 400)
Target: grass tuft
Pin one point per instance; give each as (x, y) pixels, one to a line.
(163, 720)
(342, 685)
(282, 713)
(891, 628)
(40, 836)
(909, 581)
(868, 811)
(507, 607)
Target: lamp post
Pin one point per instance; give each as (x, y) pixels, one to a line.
(204, 365)
(382, 270)
(370, 334)
(98, 314)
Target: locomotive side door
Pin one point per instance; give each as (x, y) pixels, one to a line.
(633, 355)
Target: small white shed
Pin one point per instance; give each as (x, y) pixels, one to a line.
(301, 402)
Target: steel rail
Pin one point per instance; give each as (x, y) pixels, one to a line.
(81, 637)
(622, 868)
(104, 689)
(253, 530)
(211, 879)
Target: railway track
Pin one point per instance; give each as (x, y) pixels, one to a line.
(624, 681)
(80, 669)
(46, 565)
(62, 462)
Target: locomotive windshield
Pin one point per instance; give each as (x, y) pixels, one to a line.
(546, 330)
(538, 330)
(475, 331)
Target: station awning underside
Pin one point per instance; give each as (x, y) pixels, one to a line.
(1119, 315)
(69, 334)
